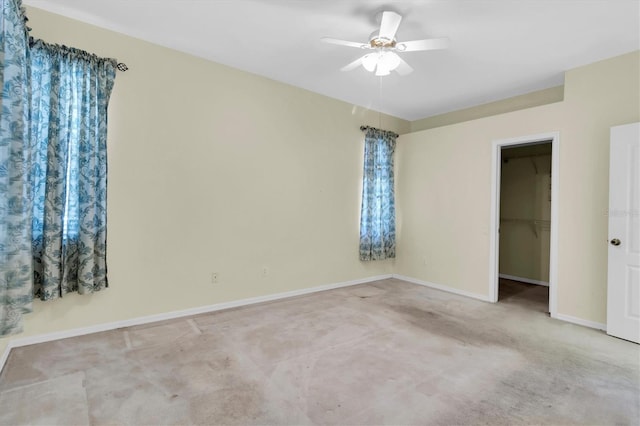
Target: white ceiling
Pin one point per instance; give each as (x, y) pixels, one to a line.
(499, 48)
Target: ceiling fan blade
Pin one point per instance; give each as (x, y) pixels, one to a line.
(353, 65)
(345, 43)
(404, 68)
(428, 44)
(389, 25)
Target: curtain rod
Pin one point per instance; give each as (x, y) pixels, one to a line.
(363, 128)
(120, 66)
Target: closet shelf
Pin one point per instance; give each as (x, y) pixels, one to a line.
(536, 224)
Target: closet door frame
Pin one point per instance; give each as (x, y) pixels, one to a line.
(494, 225)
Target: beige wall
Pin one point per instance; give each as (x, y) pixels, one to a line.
(214, 169)
(528, 100)
(444, 187)
(525, 214)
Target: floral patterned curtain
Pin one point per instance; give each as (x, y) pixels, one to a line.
(16, 285)
(53, 169)
(70, 95)
(378, 214)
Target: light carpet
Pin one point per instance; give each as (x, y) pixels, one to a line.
(387, 352)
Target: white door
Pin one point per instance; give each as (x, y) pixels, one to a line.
(623, 296)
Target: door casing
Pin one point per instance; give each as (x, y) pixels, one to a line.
(494, 225)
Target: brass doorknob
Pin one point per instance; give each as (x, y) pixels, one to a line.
(615, 242)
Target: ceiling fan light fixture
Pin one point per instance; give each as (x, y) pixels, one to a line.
(382, 71)
(369, 61)
(389, 60)
(381, 62)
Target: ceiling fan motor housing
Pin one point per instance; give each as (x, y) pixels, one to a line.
(377, 42)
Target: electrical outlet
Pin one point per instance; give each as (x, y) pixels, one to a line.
(265, 271)
(214, 277)
(424, 261)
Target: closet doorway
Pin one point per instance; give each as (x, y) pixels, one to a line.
(524, 206)
(525, 224)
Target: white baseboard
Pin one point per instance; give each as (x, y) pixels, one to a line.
(561, 317)
(448, 289)
(523, 280)
(580, 321)
(4, 356)
(41, 338)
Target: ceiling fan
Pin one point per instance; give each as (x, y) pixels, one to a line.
(384, 48)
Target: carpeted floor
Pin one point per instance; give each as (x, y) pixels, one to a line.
(388, 352)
